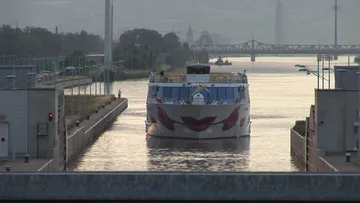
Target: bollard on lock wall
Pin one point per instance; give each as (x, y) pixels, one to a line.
(347, 159)
(26, 158)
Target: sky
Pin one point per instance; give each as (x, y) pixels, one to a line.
(304, 21)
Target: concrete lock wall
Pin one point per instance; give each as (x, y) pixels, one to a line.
(82, 137)
(21, 109)
(180, 186)
(69, 84)
(41, 102)
(297, 147)
(335, 114)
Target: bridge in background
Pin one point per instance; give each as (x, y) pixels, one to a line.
(254, 48)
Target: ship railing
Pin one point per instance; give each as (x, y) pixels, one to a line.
(191, 100)
(181, 78)
(211, 80)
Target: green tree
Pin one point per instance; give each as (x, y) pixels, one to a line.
(140, 49)
(76, 59)
(40, 42)
(357, 60)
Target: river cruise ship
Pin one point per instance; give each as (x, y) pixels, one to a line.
(198, 104)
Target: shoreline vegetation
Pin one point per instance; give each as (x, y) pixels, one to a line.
(88, 105)
(299, 127)
(135, 53)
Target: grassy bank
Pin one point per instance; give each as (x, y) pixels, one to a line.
(82, 111)
(300, 127)
(62, 79)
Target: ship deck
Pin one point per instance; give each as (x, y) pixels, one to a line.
(182, 77)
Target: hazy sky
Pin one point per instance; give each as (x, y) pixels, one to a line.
(305, 21)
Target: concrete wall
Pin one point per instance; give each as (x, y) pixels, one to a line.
(22, 110)
(180, 186)
(297, 147)
(13, 110)
(81, 138)
(312, 149)
(41, 102)
(23, 80)
(347, 80)
(335, 114)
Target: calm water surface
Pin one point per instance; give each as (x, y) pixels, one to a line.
(280, 95)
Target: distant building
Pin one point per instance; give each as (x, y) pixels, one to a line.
(205, 39)
(279, 28)
(190, 36)
(216, 38)
(98, 58)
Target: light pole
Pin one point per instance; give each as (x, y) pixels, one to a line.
(72, 69)
(318, 70)
(309, 70)
(329, 70)
(322, 72)
(336, 8)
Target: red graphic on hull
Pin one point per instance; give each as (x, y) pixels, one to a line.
(242, 122)
(231, 120)
(198, 125)
(202, 124)
(153, 120)
(165, 120)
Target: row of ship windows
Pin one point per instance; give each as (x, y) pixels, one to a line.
(214, 93)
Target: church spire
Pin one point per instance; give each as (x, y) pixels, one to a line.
(190, 32)
(190, 36)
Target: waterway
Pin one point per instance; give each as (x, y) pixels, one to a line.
(280, 95)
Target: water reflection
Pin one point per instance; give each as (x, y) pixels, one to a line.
(198, 155)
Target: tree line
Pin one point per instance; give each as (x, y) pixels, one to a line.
(144, 48)
(40, 42)
(136, 49)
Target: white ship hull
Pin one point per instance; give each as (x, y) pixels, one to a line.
(198, 121)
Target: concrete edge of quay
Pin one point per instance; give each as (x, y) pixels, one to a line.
(179, 186)
(89, 130)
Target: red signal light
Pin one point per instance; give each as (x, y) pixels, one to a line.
(50, 116)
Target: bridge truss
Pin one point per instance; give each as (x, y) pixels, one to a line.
(254, 47)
